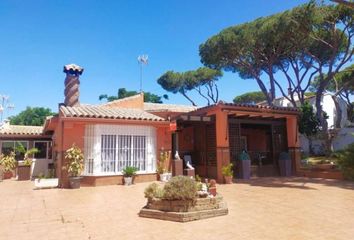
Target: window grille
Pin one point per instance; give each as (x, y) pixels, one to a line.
(111, 148)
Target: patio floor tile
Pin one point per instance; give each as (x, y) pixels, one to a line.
(263, 208)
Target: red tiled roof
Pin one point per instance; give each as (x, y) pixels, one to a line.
(108, 112)
(158, 107)
(252, 107)
(20, 130)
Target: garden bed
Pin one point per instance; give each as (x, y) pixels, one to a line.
(185, 210)
(183, 199)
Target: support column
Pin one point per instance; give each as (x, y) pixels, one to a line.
(177, 164)
(293, 143)
(222, 143)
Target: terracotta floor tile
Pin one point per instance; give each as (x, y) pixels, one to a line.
(263, 208)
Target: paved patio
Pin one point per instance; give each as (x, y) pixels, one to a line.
(265, 208)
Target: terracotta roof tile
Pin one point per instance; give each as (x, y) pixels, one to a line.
(157, 107)
(107, 112)
(20, 130)
(254, 107)
(112, 103)
(73, 68)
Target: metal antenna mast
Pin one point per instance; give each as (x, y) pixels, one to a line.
(142, 60)
(5, 105)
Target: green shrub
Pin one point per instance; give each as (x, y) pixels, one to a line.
(129, 171)
(153, 191)
(346, 162)
(180, 188)
(227, 170)
(244, 156)
(199, 186)
(8, 162)
(198, 178)
(75, 161)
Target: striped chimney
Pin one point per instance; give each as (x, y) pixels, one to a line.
(72, 83)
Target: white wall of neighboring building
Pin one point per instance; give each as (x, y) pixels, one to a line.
(328, 106)
(343, 138)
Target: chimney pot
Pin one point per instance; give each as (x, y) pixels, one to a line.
(72, 83)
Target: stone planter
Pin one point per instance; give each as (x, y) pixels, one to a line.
(165, 177)
(228, 179)
(128, 181)
(24, 173)
(8, 175)
(46, 182)
(285, 164)
(74, 182)
(185, 210)
(198, 204)
(285, 168)
(245, 169)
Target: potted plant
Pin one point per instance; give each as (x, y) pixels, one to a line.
(161, 168)
(128, 174)
(8, 164)
(75, 165)
(285, 164)
(228, 173)
(244, 165)
(24, 169)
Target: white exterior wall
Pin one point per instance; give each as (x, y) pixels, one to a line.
(93, 151)
(344, 137)
(328, 106)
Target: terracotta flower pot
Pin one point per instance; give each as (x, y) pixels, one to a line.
(74, 182)
(228, 179)
(8, 175)
(212, 191)
(24, 173)
(128, 181)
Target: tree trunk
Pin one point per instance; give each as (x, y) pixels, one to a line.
(189, 99)
(310, 146)
(319, 111)
(351, 112)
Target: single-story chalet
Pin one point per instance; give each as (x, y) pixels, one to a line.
(129, 132)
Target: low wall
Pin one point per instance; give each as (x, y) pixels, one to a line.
(330, 174)
(344, 137)
(115, 179)
(198, 204)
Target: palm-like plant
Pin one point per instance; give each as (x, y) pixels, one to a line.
(26, 153)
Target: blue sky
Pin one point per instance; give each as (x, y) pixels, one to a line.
(106, 37)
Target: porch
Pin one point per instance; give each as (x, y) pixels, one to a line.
(215, 136)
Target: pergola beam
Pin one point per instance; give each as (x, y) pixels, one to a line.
(192, 118)
(256, 115)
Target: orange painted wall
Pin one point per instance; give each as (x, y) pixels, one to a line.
(130, 102)
(292, 132)
(256, 139)
(69, 132)
(164, 143)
